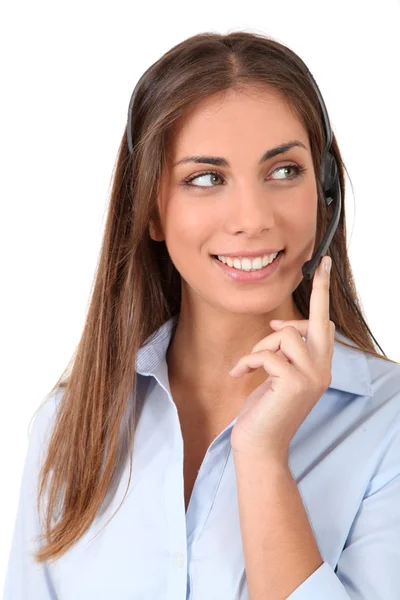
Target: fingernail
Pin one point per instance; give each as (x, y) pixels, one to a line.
(327, 263)
(277, 321)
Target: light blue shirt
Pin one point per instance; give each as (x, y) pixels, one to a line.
(345, 458)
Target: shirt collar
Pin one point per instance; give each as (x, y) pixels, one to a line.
(350, 372)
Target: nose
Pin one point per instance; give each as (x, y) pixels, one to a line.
(251, 211)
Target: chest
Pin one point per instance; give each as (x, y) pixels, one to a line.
(191, 465)
(201, 419)
(198, 433)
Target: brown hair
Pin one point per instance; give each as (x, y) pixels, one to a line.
(137, 287)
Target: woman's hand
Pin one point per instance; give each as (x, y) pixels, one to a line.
(298, 377)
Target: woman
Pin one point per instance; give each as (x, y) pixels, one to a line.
(164, 474)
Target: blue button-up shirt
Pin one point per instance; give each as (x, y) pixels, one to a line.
(345, 458)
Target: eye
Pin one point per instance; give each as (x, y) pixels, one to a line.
(299, 170)
(188, 182)
(288, 167)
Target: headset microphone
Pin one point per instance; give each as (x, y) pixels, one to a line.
(330, 181)
(332, 191)
(329, 176)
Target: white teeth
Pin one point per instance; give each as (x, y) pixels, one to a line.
(247, 264)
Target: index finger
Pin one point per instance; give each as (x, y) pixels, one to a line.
(318, 332)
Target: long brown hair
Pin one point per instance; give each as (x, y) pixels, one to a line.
(137, 287)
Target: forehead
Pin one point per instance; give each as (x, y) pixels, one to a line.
(261, 117)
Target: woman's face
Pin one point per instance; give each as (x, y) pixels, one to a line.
(242, 205)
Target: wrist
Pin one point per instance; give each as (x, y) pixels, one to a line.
(274, 460)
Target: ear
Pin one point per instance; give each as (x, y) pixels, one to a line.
(155, 232)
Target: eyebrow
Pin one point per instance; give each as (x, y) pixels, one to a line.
(219, 161)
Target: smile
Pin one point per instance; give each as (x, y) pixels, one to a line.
(256, 274)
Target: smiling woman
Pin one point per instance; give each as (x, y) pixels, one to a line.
(217, 203)
(252, 211)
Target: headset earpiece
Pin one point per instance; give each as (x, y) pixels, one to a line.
(329, 173)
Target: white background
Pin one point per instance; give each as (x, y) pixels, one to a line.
(67, 74)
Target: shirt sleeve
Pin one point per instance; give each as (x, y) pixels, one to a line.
(369, 565)
(26, 579)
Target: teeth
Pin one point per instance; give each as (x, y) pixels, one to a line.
(247, 264)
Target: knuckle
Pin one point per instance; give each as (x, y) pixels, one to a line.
(290, 330)
(256, 348)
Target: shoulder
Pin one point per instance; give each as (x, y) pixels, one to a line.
(365, 374)
(384, 418)
(371, 388)
(385, 388)
(383, 372)
(385, 381)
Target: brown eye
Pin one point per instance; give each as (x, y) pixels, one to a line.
(214, 175)
(298, 171)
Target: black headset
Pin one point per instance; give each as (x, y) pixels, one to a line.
(330, 182)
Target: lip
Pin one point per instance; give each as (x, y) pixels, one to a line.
(249, 276)
(249, 253)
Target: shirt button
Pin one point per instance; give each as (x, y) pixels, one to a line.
(179, 560)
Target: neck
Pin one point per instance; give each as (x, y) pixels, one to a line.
(202, 352)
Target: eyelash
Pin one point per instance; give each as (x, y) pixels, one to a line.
(299, 169)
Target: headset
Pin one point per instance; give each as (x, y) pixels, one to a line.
(330, 181)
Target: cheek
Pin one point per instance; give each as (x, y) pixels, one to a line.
(187, 231)
(299, 221)
(302, 211)
(181, 224)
